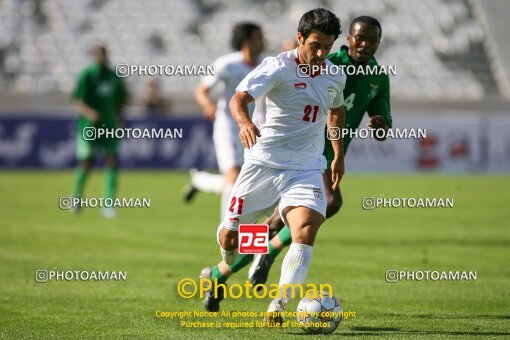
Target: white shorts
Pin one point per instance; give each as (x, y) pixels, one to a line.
(228, 147)
(259, 188)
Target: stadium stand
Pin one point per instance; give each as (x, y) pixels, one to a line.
(439, 46)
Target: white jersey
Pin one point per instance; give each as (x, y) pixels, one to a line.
(290, 112)
(230, 70)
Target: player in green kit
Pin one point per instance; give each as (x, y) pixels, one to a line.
(100, 95)
(362, 93)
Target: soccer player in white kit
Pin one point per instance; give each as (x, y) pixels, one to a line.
(230, 69)
(284, 145)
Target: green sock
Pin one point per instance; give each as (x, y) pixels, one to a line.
(217, 275)
(80, 176)
(242, 260)
(273, 252)
(285, 238)
(110, 182)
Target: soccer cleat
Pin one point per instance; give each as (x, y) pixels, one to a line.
(75, 210)
(274, 314)
(254, 264)
(211, 303)
(109, 212)
(190, 191)
(261, 272)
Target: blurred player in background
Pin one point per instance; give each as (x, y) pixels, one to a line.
(100, 96)
(288, 44)
(285, 141)
(230, 69)
(369, 94)
(152, 100)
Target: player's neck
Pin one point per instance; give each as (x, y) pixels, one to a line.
(250, 58)
(300, 55)
(355, 62)
(101, 66)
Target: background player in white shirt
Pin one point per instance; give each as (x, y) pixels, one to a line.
(285, 141)
(230, 69)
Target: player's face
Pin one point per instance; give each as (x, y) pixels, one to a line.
(315, 49)
(100, 56)
(256, 43)
(363, 42)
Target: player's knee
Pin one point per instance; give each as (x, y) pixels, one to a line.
(305, 234)
(334, 205)
(275, 222)
(111, 161)
(86, 164)
(228, 239)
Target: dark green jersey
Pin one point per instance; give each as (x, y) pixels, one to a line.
(362, 93)
(101, 89)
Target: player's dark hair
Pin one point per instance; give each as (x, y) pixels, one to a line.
(242, 32)
(371, 21)
(319, 19)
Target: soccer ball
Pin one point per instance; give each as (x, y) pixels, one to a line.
(319, 315)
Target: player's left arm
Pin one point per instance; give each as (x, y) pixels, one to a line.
(122, 98)
(379, 110)
(336, 121)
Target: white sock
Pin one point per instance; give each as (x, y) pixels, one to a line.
(225, 195)
(294, 268)
(207, 182)
(229, 256)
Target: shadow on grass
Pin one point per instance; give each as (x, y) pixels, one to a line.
(419, 243)
(375, 331)
(430, 316)
(453, 317)
(364, 331)
(359, 331)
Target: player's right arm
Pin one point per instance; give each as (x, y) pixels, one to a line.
(248, 132)
(88, 111)
(205, 101)
(254, 86)
(202, 93)
(79, 95)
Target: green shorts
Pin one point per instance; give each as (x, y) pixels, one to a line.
(86, 144)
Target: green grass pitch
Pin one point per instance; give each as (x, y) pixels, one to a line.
(160, 245)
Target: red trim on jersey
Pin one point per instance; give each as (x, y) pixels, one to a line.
(318, 72)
